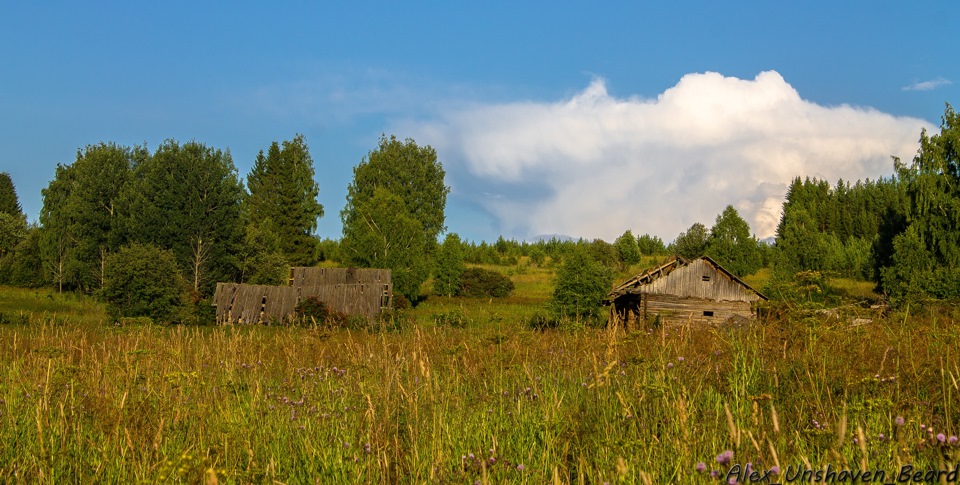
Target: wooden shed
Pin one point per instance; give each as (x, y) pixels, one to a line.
(682, 291)
(353, 291)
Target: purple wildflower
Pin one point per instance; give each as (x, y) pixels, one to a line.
(680, 359)
(714, 474)
(941, 438)
(725, 457)
(899, 421)
(520, 467)
(670, 365)
(774, 470)
(701, 467)
(952, 440)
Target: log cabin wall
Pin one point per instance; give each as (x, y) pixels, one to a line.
(699, 279)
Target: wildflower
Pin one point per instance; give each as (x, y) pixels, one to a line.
(366, 447)
(681, 359)
(714, 474)
(898, 421)
(670, 365)
(774, 470)
(881, 437)
(725, 457)
(520, 467)
(732, 481)
(941, 438)
(701, 467)
(952, 440)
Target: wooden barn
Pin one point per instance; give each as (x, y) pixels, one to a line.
(354, 291)
(681, 291)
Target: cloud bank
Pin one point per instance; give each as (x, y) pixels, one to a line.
(595, 165)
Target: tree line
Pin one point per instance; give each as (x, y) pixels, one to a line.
(188, 201)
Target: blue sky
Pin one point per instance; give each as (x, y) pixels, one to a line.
(550, 117)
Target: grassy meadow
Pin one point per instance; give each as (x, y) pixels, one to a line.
(461, 391)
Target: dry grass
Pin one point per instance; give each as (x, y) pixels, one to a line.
(489, 402)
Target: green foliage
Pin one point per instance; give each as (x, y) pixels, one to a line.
(479, 282)
(691, 243)
(412, 173)
(143, 281)
(825, 228)
(187, 198)
(800, 246)
(580, 286)
(627, 248)
(731, 244)
(604, 253)
(381, 233)
(82, 213)
(328, 250)
(926, 256)
(9, 203)
(283, 197)
(23, 266)
(13, 230)
(537, 255)
(312, 308)
(651, 245)
(262, 261)
(449, 266)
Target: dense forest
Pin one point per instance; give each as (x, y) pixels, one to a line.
(184, 212)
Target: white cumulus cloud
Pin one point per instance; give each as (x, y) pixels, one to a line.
(595, 165)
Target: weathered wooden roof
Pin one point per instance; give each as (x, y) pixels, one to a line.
(699, 278)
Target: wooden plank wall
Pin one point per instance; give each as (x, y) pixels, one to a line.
(687, 282)
(678, 310)
(302, 277)
(251, 304)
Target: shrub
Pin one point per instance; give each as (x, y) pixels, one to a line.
(455, 319)
(312, 308)
(143, 281)
(479, 282)
(580, 286)
(449, 266)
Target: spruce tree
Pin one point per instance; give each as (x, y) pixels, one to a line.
(283, 195)
(9, 203)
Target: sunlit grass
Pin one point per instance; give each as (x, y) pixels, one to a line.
(489, 401)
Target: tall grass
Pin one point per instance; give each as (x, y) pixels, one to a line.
(490, 401)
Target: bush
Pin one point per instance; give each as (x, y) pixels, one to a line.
(479, 283)
(580, 286)
(143, 281)
(312, 308)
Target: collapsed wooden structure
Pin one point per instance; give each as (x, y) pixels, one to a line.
(353, 291)
(682, 291)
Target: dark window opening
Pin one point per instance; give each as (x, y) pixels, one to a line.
(706, 278)
(707, 313)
